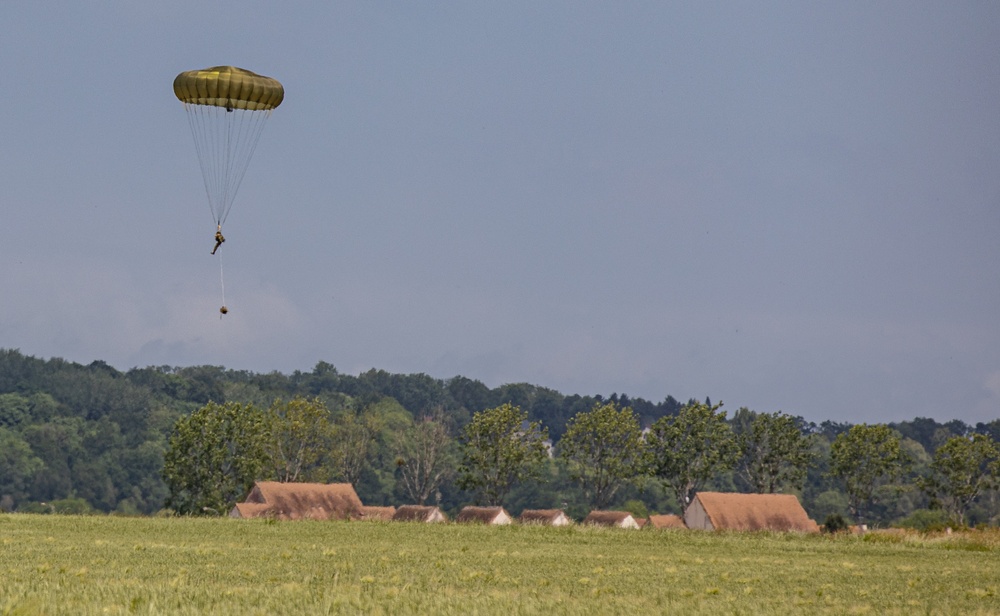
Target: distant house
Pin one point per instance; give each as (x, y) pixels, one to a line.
(544, 517)
(620, 519)
(549, 448)
(419, 513)
(496, 516)
(299, 501)
(382, 514)
(666, 521)
(728, 511)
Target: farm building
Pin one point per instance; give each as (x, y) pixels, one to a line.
(666, 521)
(495, 516)
(381, 514)
(726, 511)
(419, 513)
(299, 501)
(544, 517)
(620, 519)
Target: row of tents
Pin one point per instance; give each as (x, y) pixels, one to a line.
(708, 510)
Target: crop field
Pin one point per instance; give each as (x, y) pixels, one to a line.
(114, 565)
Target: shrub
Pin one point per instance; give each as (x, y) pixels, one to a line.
(925, 520)
(68, 506)
(72, 506)
(637, 508)
(835, 523)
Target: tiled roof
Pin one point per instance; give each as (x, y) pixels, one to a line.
(417, 513)
(607, 518)
(666, 521)
(485, 515)
(377, 513)
(540, 516)
(301, 501)
(781, 512)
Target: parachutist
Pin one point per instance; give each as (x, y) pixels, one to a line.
(218, 240)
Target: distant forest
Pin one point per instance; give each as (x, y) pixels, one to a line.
(90, 438)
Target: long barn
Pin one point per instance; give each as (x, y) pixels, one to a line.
(730, 511)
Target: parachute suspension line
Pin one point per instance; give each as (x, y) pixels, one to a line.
(200, 130)
(243, 130)
(225, 142)
(248, 136)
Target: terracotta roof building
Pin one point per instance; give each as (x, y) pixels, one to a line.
(666, 521)
(620, 519)
(545, 517)
(727, 511)
(496, 516)
(383, 514)
(419, 513)
(299, 501)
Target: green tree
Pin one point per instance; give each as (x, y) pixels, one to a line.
(500, 448)
(59, 445)
(214, 456)
(425, 457)
(355, 443)
(299, 438)
(603, 449)
(866, 457)
(963, 468)
(774, 454)
(145, 491)
(690, 448)
(18, 466)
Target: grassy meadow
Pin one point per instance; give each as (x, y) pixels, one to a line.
(114, 565)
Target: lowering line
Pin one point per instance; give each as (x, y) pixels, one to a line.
(222, 284)
(219, 239)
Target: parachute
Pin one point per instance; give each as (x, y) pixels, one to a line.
(226, 108)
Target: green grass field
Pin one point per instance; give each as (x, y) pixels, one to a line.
(113, 565)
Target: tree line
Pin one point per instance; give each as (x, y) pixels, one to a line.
(91, 438)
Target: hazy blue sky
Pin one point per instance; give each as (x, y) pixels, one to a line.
(782, 205)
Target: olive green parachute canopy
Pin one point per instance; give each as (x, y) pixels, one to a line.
(229, 87)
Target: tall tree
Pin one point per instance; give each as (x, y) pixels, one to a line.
(214, 456)
(774, 454)
(355, 436)
(18, 465)
(299, 439)
(866, 457)
(500, 448)
(963, 468)
(425, 457)
(690, 448)
(603, 448)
